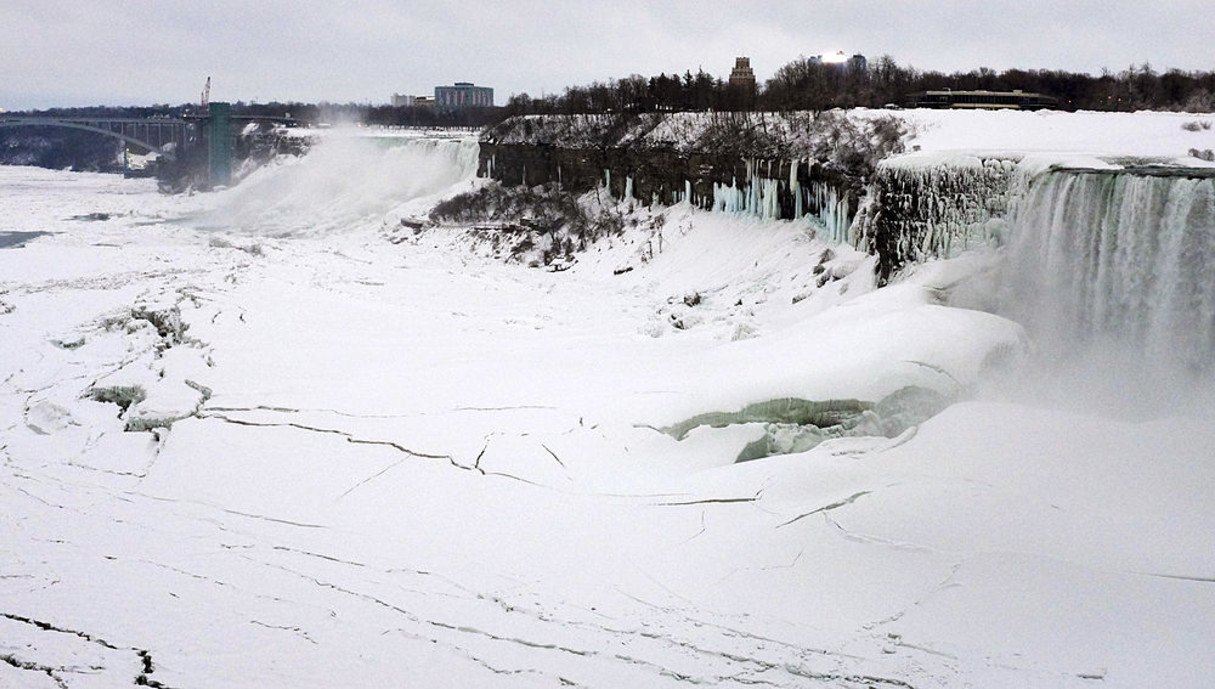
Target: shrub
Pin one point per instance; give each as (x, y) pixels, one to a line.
(529, 214)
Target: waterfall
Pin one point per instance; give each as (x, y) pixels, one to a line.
(345, 181)
(1117, 259)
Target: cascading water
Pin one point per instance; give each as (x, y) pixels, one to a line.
(1117, 267)
(345, 182)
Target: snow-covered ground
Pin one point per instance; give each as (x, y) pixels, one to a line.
(1083, 139)
(248, 441)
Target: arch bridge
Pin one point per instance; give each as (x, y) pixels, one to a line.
(163, 135)
(169, 137)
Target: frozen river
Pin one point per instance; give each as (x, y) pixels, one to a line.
(263, 438)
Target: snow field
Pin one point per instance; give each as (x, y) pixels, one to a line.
(417, 466)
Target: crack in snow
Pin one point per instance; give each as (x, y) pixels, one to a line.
(350, 438)
(145, 656)
(827, 508)
(225, 510)
(476, 659)
(1179, 577)
(35, 667)
(874, 540)
(288, 549)
(555, 457)
(369, 479)
(710, 501)
(298, 631)
(759, 665)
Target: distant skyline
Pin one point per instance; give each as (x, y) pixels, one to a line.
(140, 52)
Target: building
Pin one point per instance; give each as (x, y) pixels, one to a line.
(857, 63)
(980, 100)
(400, 100)
(742, 76)
(463, 95)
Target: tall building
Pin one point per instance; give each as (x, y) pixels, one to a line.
(400, 100)
(741, 75)
(840, 60)
(463, 95)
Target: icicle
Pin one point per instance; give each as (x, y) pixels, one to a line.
(725, 197)
(795, 188)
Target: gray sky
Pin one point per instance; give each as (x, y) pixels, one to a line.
(118, 52)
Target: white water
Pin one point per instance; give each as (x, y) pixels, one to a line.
(1111, 273)
(344, 182)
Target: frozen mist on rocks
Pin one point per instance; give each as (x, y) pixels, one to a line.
(274, 437)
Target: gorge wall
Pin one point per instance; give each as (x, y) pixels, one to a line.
(771, 165)
(768, 188)
(918, 210)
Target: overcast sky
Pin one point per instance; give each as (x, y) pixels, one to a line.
(120, 52)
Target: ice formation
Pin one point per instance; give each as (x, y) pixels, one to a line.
(760, 194)
(919, 210)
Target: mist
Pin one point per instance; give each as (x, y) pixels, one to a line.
(348, 179)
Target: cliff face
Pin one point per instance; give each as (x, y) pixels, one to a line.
(665, 176)
(917, 211)
(773, 165)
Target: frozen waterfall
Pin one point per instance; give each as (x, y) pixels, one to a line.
(760, 195)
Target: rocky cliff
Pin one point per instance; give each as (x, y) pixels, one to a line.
(917, 209)
(775, 165)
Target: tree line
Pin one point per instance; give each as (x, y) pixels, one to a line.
(808, 84)
(801, 84)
